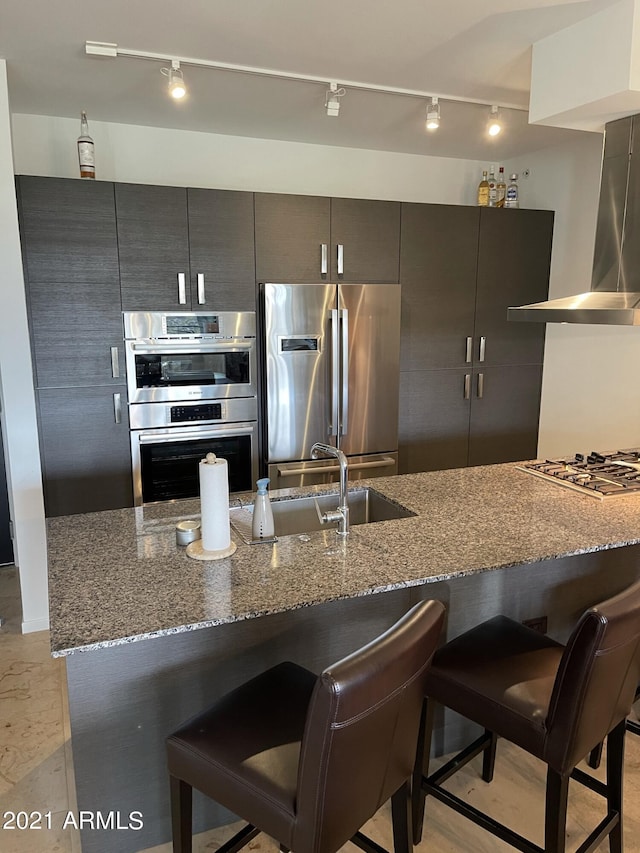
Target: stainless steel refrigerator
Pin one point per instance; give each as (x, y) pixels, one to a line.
(331, 367)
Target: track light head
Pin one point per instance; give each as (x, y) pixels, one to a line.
(494, 124)
(177, 88)
(433, 114)
(332, 99)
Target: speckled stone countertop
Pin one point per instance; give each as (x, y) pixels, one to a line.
(116, 577)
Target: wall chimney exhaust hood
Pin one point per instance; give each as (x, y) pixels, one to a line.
(614, 298)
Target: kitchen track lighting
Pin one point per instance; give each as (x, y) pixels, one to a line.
(177, 88)
(332, 99)
(494, 124)
(433, 114)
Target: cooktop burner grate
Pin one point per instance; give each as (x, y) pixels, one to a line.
(601, 475)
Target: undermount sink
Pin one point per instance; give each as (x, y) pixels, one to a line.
(299, 515)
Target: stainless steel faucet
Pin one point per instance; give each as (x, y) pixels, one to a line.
(341, 514)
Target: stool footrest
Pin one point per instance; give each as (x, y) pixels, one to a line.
(447, 770)
(589, 782)
(239, 840)
(367, 844)
(601, 831)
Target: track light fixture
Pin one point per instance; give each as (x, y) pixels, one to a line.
(177, 88)
(494, 124)
(433, 114)
(332, 99)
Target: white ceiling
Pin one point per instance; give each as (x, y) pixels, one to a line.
(478, 49)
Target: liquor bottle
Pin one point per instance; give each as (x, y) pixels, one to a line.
(501, 187)
(493, 190)
(86, 154)
(511, 199)
(483, 191)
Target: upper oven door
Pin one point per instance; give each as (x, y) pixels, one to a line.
(190, 370)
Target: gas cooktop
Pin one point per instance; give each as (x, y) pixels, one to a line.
(601, 475)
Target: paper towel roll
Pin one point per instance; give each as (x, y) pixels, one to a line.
(214, 503)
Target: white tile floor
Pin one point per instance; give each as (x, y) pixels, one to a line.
(36, 771)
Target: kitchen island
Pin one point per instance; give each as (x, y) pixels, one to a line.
(152, 636)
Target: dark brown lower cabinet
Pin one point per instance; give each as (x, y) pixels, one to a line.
(86, 455)
(451, 418)
(6, 545)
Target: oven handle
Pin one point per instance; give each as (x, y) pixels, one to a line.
(145, 437)
(190, 346)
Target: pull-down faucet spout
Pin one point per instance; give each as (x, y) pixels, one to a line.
(341, 514)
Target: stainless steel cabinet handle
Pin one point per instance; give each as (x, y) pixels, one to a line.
(340, 259)
(115, 364)
(117, 408)
(324, 258)
(467, 386)
(182, 289)
(481, 385)
(469, 350)
(483, 346)
(200, 280)
(344, 414)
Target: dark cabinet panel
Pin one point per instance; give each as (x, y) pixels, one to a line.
(290, 233)
(514, 256)
(221, 245)
(153, 241)
(86, 455)
(369, 232)
(68, 230)
(6, 545)
(438, 268)
(73, 331)
(504, 422)
(434, 420)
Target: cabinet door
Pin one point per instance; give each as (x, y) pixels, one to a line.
(221, 245)
(369, 232)
(6, 545)
(504, 420)
(514, 256)
(434, 420)
(291, 231)
(153, 240)
(438, 268)
(68, 231)
(86, 455)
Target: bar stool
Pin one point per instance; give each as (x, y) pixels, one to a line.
(554, 702)
(309, 759)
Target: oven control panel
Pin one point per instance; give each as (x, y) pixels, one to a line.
(204, 412)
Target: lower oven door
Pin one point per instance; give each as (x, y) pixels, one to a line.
(165, 461)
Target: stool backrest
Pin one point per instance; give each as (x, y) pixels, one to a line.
(597, 679)
(361, 730)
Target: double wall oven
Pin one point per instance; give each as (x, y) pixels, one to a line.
(192, 389)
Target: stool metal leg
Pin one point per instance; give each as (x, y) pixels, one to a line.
(401, 818)
(181, 804)
(615, 776)
(555, 820)
(420, 769)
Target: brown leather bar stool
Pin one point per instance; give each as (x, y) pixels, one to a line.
(309, 759)
(553, 701)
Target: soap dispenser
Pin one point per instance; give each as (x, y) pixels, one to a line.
(262, 525)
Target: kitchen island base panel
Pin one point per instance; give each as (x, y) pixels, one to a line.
(125, 699)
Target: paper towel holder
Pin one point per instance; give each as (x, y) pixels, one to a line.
(195, 550)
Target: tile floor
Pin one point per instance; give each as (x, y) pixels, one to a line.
(36, 771)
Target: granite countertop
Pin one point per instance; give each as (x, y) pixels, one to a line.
(116, 577)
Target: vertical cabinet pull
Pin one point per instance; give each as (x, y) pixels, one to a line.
(115, 363)
(481, 385)
(201, 296)
(340, 259)
(467, 386)
(483, 346)
(469, 350)
(117, 408)
(324, 258)
(182, 288)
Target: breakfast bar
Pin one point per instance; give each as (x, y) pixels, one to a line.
(151, 636)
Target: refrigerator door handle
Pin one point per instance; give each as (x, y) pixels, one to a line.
(340, 259)
(344, 413)
(334, 415)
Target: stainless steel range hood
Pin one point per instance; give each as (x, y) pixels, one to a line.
(614, 298)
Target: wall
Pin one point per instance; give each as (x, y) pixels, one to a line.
(18, 404)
